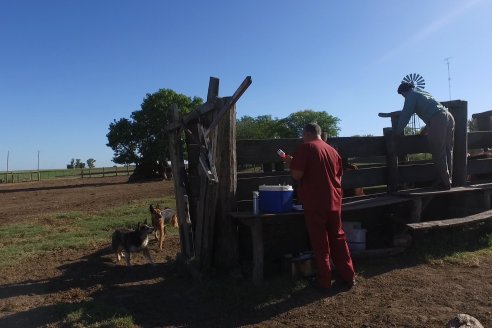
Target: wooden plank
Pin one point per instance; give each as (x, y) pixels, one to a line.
(416, 173)
(479, 139)
(486, 114)
(412, 145)
(376, 253)
(247, 175)
(420, 192)
(471, 219)
(367, 203)
(257, 151)
(358, 146)
(481, 186)
(364, 177)
(480, 166)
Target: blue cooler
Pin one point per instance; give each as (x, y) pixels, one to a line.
(276, 199)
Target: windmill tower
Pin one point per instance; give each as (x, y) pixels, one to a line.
(418, 83)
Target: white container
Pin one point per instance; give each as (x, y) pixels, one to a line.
(355, 235)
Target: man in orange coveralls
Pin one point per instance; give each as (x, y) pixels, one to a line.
(318, 168)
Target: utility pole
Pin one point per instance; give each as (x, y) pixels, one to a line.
(38, 166)
(7, 175)
(449, 76)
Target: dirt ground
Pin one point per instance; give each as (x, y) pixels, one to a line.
(392, 292)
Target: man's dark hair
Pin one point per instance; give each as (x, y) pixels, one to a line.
(404, 87)
(313, 128)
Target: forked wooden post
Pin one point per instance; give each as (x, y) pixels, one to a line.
(211, 132)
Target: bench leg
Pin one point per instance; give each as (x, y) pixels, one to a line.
(257, 242)
(486, 199)
(416, 212)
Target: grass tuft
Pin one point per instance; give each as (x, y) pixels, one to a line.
(93, 314)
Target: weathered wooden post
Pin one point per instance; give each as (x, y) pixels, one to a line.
(459, 110)
(391, 159)
(226, 255)
(207, 201)
(176, 154)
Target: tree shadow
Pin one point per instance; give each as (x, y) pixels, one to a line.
(163, 295)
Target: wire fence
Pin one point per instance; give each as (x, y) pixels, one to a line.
(100, 172)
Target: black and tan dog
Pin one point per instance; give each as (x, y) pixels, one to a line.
(127, 241)
(161, 218)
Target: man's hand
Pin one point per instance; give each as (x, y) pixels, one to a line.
(287, 160)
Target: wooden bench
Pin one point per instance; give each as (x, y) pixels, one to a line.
(256, 224)
(439, 224)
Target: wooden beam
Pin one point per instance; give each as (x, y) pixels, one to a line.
(230, 102)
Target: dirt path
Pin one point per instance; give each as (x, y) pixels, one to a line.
(391, 292)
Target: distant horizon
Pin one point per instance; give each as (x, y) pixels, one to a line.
(60, 169)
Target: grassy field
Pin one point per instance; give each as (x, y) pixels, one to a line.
(24, 176)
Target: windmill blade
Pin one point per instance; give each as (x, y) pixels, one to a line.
(415, 79)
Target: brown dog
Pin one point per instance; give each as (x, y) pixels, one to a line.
(160, 219)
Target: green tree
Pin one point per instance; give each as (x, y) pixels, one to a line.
(261, 127)
(291, 126)
(142, 139)
(90, 163)
(72, 164)
(79, 164)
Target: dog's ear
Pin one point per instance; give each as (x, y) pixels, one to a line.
(158, 207)
(145, 222)
(151, 208)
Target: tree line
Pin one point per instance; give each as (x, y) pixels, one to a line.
(76, 163)
(142, 139)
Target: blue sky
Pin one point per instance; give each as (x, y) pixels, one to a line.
(69, 68)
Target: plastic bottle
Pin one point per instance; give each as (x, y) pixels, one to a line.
(256, 209)
(281, 153)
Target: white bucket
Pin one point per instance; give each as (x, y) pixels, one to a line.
(355, 235)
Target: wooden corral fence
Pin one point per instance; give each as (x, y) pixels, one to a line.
(214, 201)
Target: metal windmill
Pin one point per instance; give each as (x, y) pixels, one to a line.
(418, 83)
